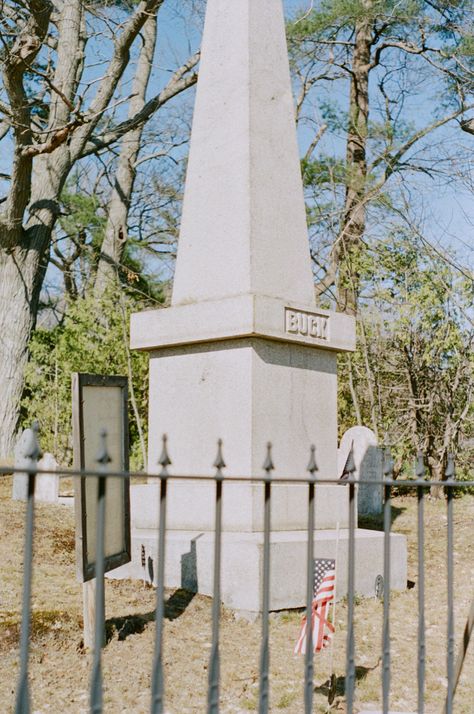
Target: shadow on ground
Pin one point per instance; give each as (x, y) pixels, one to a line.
(123, 627)
(375, 523)
(335, 686)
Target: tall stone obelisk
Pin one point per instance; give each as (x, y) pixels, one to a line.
(243, 353)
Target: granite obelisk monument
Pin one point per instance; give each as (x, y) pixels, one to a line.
(243, 353)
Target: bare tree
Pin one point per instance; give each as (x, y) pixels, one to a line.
(381, 51)
(53, 124)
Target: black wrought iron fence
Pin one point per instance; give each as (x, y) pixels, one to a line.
(454, 662)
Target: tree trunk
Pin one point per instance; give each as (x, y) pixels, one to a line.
(353, 222)
(371, 381)
(22, 270)
(18, 300)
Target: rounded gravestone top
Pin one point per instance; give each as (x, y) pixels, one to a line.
(358, 435)
(360, 438)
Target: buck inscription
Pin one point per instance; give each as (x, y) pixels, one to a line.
(306, 324)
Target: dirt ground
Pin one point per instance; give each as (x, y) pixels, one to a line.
(60, 669)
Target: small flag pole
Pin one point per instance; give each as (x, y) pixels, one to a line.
(331, 676)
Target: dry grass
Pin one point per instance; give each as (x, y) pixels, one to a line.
(60, 668)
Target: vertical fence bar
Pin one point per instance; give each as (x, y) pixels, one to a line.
(102, 459)
(350, 654)
(466, 636)
(157, 680)
(32, 454)
(420, 492)
(387, 522)
(308, 669)
(450, 476)
(265, 645)
(214, 661)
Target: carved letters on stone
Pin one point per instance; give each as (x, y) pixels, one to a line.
(307, 324)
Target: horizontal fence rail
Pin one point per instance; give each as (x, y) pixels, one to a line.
(419, 485)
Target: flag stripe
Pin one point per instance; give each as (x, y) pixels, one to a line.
(324, 591)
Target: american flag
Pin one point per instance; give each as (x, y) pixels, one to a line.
(323, 595)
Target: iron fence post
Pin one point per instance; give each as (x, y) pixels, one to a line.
(420, 472)
(157, 680)
(265, 645)
(350, 666)
(103, 458)
(309, 655)
(214, 662)
(387, 517)
(450, 475)
(32, 454)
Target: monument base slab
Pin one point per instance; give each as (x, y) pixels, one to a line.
(189, 564)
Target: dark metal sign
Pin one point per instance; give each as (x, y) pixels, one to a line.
(98, 403)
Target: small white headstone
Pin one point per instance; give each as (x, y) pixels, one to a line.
(47, 484)
(368, 459)
(20, 481)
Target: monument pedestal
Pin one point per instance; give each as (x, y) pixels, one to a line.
(248, 369)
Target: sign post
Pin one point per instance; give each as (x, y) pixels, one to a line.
(100, 403)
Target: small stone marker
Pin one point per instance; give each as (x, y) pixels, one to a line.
(368, 458)
(20, 481)
(47, 484)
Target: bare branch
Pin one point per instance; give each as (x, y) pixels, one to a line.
(4, 129)
(398, 44)
(393, 159)
(180, 81)
(315, 142)
(59, 137)
(115, 69)
(158, 155)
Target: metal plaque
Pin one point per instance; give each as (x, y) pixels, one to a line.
(100, 402)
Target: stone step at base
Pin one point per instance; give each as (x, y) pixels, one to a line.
(189, 564)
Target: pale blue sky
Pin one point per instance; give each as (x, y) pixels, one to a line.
(450, 208)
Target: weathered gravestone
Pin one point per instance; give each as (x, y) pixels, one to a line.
(46, 484)
(368, 460)
(20, 481)
(243, 353)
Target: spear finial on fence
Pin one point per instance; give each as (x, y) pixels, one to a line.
(219, 462)
(103, 457)
(268, 463)
(312, 465)
(164, 459)
(450, 471)
(420, 465)
(349, 466)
